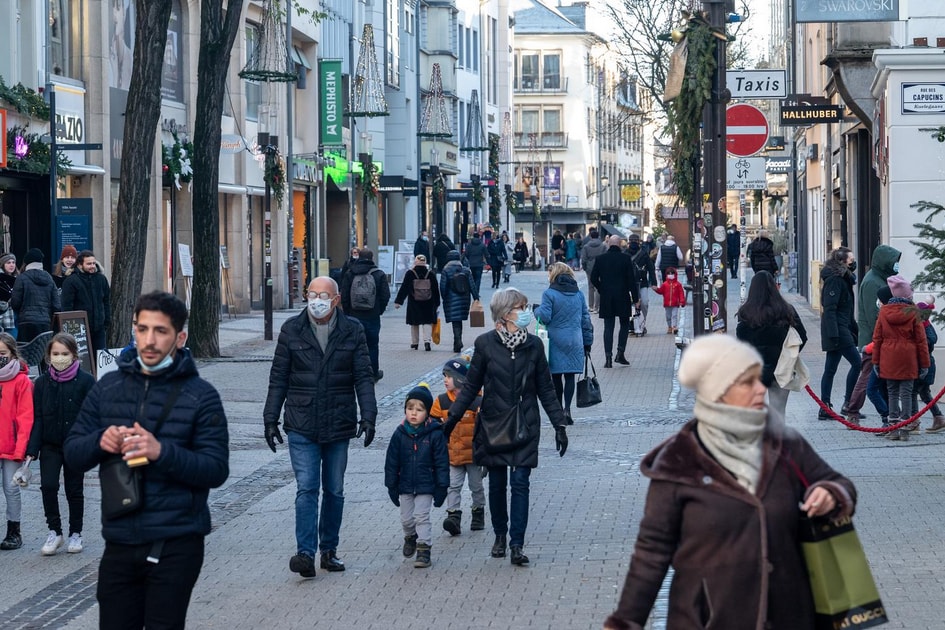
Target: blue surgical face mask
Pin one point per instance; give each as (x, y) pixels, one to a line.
(162, 365)
(524, 318)
(895, 267)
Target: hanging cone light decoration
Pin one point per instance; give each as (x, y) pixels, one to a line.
(367, 92)
(505, 141)
(435, 120)
(270, 61)
(475, 136)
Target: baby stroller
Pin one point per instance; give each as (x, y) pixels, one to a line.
(637, 323)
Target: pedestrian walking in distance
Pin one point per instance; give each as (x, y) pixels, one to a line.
(35, 298)
(154, 410)
(86, 289)
(8, 274)
(16, 422)
(838, 329)
(417, 472)
(364, 296)
(722, 506)
(457, 289)
(924, 385)
(321, 372)
(510, 368)
(460, 447)
(58, 395)
(674, 298)
(421, 291)
(615, 278)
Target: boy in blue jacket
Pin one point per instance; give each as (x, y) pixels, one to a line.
(417, 472)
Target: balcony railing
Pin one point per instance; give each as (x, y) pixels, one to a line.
(545, 140)
(542, 85)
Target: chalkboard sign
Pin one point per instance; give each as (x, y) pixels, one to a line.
(76, 323)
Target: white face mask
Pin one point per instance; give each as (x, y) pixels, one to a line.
(319, 308)
(60, 363)
(895, 267)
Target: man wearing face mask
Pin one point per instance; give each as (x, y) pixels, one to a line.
(154, 410)
(323, 354)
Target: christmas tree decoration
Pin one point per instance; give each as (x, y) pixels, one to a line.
(475, 137)
(367, 90)
(435, 119)
(270, 61)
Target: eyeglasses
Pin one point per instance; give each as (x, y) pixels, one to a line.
(324, 295)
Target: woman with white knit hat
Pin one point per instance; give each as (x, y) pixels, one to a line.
(722, 506)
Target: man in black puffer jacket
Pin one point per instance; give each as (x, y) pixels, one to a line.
(86, 289)
(322, 372)
(35, 298)
(155, 408)
(370, 318)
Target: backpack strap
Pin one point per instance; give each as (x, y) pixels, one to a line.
(445, 402)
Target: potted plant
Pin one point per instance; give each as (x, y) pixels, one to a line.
(781, 242)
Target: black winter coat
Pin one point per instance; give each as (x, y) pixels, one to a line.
(455, 305)
(419, 312)
(646, 269)
(768, 341)
(35, 298)
(762, 255)
(733, 241)
(521, 252)
(417, 464)
(475, 253)
(496, 253)
(441, 249)
(382, 297)
(838, 327)
(322, 390)
(55, 407)
(422, 248)
(88, 292)
(500, 373)
(194, 446)
(615, 278)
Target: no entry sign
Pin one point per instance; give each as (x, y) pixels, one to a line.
(747, 130)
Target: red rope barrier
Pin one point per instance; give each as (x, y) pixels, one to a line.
(856, 427)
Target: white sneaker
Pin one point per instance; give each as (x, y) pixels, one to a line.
(52, 544)
(75, 543)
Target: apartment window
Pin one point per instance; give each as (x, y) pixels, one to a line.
(530, 72)
(461, 57)
(551, 71)
(252, 88)
(462, 125)
(468, 49)
(408, 18)
(530, 120)
(551, 121)
(475, 51)
(393, 43)
(493, 63)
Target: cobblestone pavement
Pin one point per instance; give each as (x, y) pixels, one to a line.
(585, 509)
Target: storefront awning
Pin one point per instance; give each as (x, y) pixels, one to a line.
(85, 169)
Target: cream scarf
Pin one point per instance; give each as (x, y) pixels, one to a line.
(733, 436)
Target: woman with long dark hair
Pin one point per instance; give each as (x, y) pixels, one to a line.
(838, 329)
(764, 321)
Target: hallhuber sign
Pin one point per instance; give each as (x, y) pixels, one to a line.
(847, 10)
(804, 115)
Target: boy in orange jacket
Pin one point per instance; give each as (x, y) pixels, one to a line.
(674, 296)
(461, 451)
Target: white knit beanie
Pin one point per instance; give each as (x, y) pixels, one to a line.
(712, 363)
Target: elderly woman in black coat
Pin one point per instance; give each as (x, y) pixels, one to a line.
(509, 366)
(422, 293)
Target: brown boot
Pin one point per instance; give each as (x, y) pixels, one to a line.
(938, 424)
(912, 427)
(853, 419)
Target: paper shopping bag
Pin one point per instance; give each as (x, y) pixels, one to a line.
(477, 317)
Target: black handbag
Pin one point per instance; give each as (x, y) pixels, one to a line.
(588, 389)
(507, 431)
(120, 483)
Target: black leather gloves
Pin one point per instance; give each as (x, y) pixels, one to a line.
(272, 434)
(366, 429)
(561, 440)
(439, 496)
(448, 427)
(394, 497)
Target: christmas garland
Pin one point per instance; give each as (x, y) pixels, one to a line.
(274, 175)
(175, 162)
(495, 201)
(685, 112)
(372, 175)
(24, 100)
(511, 200)
(26, 152)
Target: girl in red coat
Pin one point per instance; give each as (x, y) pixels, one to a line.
(900, 351)
(16, 421)
(674, 296)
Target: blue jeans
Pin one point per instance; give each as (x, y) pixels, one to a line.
(876, 392)
(830, 369)
(372, 330)
(313, 463)
(498, 506)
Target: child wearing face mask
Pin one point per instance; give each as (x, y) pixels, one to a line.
(674, 296)
(57, 397)
(16, 421)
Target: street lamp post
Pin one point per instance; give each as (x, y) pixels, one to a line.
(270, 146)
(604, 184)
(533, 194)
(366, 157)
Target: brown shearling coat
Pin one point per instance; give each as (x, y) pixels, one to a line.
(900, 348)
(737, 562)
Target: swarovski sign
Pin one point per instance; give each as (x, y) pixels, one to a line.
(847, 10)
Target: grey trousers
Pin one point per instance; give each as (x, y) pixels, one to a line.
(10, 490)
(459, 474)
(415, 516)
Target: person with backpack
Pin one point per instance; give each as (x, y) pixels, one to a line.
(646, 271)
(668, 255)
(422, 294)
(364, 296)
(456, 288)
